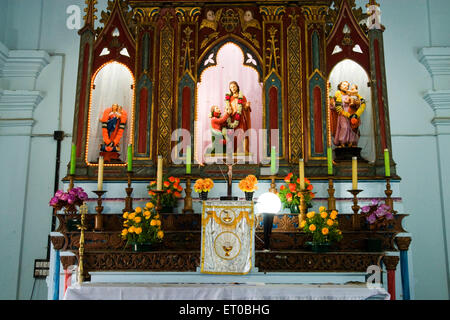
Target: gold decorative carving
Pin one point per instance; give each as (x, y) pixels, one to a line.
(187, 14)
(272, 13)
(294, 89)
(212, 20)
(147, 15)
(90, 11)
(273, 49)
(229, 20)
(403, 243)
(165, 89)
(315, 14)
(391, 262)
(124, 10)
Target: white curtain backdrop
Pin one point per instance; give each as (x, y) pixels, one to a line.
(348, 70)
(113, 84)
(211, 90)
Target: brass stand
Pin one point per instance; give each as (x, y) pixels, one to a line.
(71, 177)
(355, 219)
(129, 191)
(188, 198)
(302, 207)
(331, 198)
(158, 200)
(273, 187)
(83, 211)
(98, 217)
(388, 192)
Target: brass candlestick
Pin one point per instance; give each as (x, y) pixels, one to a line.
(71, 178)
(355, 219)
(331, 198)
(83, 211)
(302, 206)
(99, 208)
(129, 191)
(188, 198)
(273, 187)
(158, 207)
(388, 192)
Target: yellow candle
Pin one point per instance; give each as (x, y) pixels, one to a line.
(387, 166)
(354, 173)
(301, 165)
(159, 173)
(100, 174)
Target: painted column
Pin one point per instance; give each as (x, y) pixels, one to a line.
(403, 245)
(391, 265)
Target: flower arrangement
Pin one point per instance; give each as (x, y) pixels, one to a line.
(143, 225)
(290, 194)
(203, 185)
(249, 184)
(233, 123)
(172, 192)
(323, 226)
(378, 215)
(68, 200)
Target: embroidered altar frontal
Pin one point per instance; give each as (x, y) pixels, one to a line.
(228, 229)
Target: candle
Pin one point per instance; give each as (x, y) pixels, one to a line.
(354, 173)
(159, 173)
(188, 160)
(302, 174)
(330, 160)
(73, 159)
(273, 158)
(130, 157)
(100, 174)
(387, 167)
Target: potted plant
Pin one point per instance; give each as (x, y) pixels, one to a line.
(323, 227)
(202, 187)
(378, 217)
(169, 198)
(249, 186)
(290, 193)
(142, 228)
(69, 201)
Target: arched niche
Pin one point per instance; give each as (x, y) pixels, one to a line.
(229, 63)
(349, 70)
(112, 83)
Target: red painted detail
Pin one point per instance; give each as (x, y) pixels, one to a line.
(379, 85)
(186, 112)
(318, 129)
(82, 101)
(273, 111)
(391, 283)
(143, 112)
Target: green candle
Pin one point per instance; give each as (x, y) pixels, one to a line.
(130, 158)
(273, 158)
(73, 159)
(330, 160)
(387, 167)
(188, 160)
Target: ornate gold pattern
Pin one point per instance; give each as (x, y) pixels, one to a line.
(147, 15)
(90, 11)
(272, 13)
(165, 90)
(294, 89)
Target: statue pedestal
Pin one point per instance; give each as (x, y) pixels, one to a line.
(347, 153)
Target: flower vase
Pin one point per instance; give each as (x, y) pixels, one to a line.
(294, 209)
(203, 195)
(141, 247)
(320, 247)
(249, 196)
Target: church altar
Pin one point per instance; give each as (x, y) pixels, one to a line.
(291, 95)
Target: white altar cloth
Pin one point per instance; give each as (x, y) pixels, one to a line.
(190, 291)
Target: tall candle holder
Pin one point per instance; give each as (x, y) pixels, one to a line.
(388, 192)
(71, 178)
(302, 206)
(188, 198)
(331, 190)
(83, 211)
(129, 191)
(158, 206)
(273, 186)
(355, 219)
(99, 208)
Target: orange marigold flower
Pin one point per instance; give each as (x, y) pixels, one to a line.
(171, 179)
(166, 183)
(292, 187)
(325, 231)
(330, 222)
(282, 187)
(177, 194)
(309, 187)
(323, 214)
(312, 228)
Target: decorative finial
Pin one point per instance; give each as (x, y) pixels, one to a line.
(90, 11)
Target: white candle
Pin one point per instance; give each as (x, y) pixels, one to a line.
(354, 173)
(301, 165)
(100, 174)
(159, 173)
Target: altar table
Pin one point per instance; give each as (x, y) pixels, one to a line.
(190, 291)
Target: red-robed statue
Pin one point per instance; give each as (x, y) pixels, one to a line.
(113, 125)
